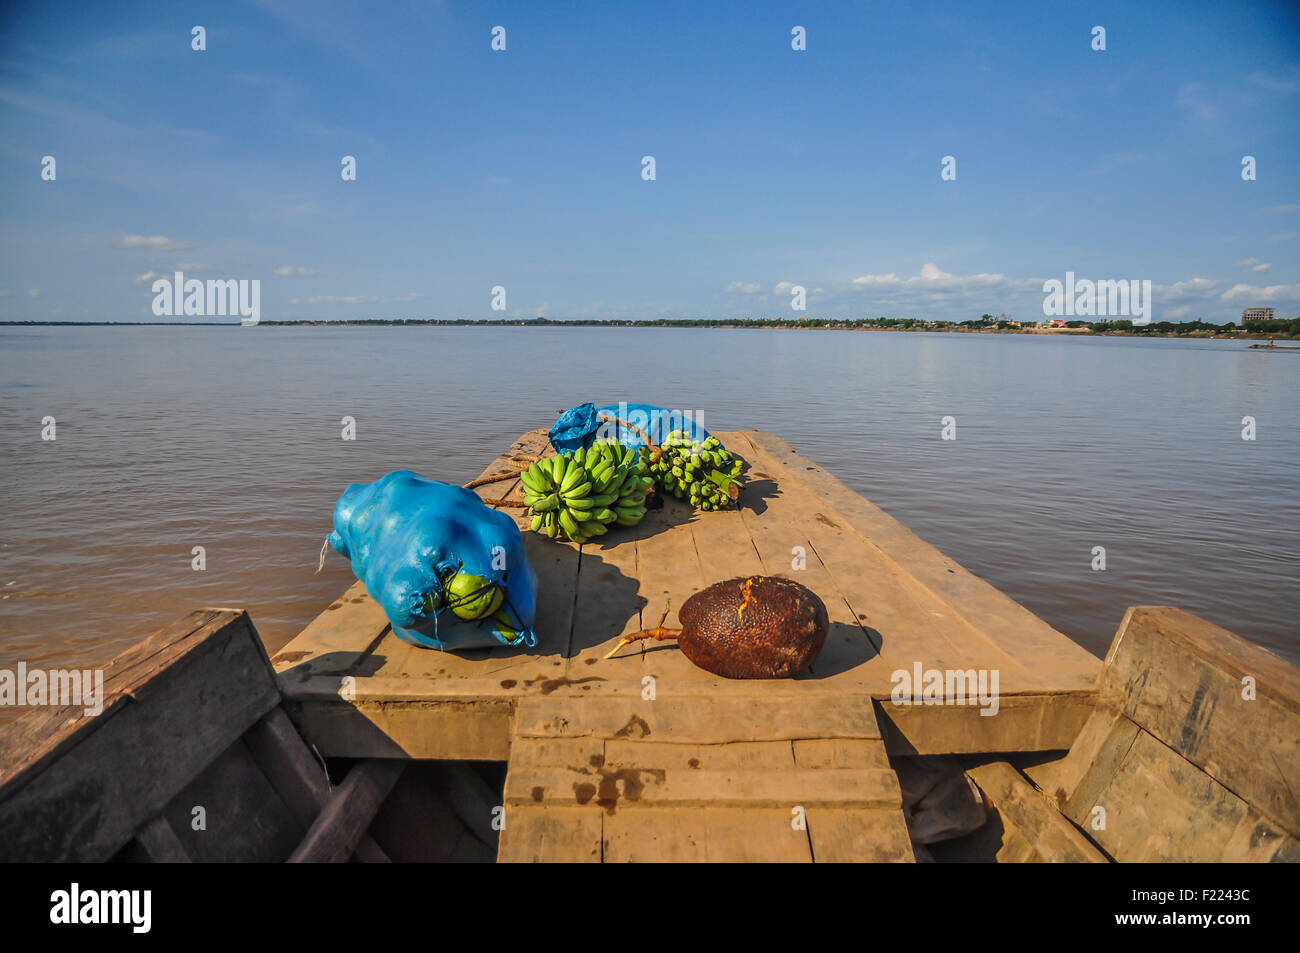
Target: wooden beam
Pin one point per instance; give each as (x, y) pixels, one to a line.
(1025, 809)
(1226, 705)
(339, 828)
(161, 843)
(76, 787)
(297, 775)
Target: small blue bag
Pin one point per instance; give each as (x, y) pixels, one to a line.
(408, 537)
(583, 425)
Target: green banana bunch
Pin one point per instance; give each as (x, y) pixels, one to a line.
(582, 494)
(705, 473)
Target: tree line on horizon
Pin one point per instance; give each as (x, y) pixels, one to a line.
(1285, 327)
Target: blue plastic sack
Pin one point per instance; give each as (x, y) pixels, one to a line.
(581, 426)
(408, 536)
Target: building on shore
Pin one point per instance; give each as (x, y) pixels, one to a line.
(1256, 315)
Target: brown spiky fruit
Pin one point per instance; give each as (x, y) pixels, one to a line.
(749, 627)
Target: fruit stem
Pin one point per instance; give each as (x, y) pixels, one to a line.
(659, 633)
(483, 481)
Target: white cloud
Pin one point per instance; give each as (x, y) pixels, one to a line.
(291, 271)
(783, 288)
(1195, 288)
(410, 297)
(33, 292)
(933, 278)
(744, 288)
(1242, 292)
(335, 299)
(1178, 312)
(149, 276)
(151, 243)
(190, 266)
(1278, 84)
(1255, 265)
(871, 281)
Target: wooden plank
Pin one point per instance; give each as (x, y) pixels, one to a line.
(339, 641)
(714, 835)
(289, 765)
(160, 842)
(1159, 807)
(725, 547)
(538, 831)
(1035, 722)
(388, 725)
(742, 755)
(179, 699)
(1052, 659)
(297, 775)
(1074, 781)
(670, 571)
(1054, 838)
(840, 753)
(1184, 680)
(550, 834)
(574, 753)
(608, 605)
(334, 836)
(697, 719)
(838, 835)
(230, 813)
(642, 788)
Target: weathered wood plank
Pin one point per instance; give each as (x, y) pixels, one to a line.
(550, 834)
(838, 835)
(645, 787)
(297, 775)
(1227, 706)
(340, 826)
(160, 842)
(339, 641)
(378, 725)
(230, 813)
(181, 698)
(701, 719)
(737, 756)
(1054, 838)
(1053, 660)
(713, 835)
(840, 753)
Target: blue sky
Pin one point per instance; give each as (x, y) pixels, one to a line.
(774, 167)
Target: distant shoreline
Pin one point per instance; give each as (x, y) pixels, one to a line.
(1159, 329)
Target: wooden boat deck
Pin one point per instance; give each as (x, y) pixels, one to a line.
(645, 756)
(893, 601)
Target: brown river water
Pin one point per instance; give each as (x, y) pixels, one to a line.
(230, 438)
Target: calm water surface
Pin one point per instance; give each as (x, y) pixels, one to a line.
(229, 438)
